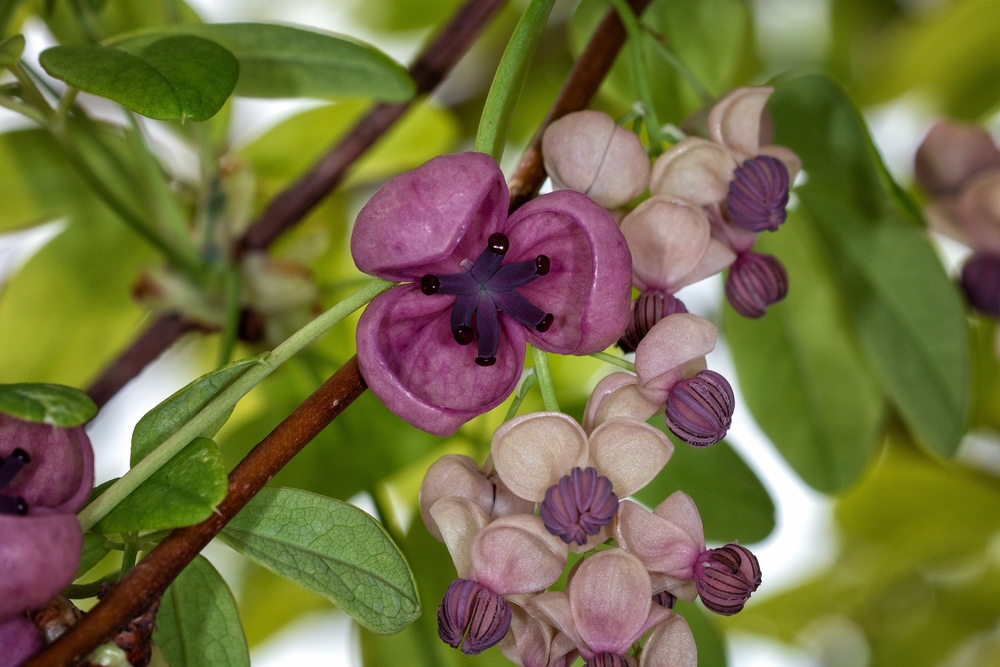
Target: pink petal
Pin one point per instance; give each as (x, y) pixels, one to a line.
(532, 452)
(679, 509)
(624, 172)
(610, 598)
(672, 342)
(617, 395)
(694, 169)
(60, 476)
(661, 545)
(409, 358)
(628, 452)
(574, 146)
(588, 286)
(19, 640)
(668, 237)
(554, 606)
(529, 643)
(515, 554)
(38, 557)
(459, 521)
(735, 120)
(593, 541)
(951, 155)
(717, 257)
(791, 160)
(978, 212)
(671, 644)
(453, 475)
(737, 239)
(430, 219)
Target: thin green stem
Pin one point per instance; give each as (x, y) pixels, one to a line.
(29, 90)
(224, 401)
(130, 555)
(616, 361)
(529, 379)
(23, 109)
(66, 103)
(544, 375)
(84, 591)
(635, 39)
(230, 327)
(681, 67)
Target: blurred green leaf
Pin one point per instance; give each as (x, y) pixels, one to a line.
(47, 403)
(733, 504)
(332, 549)
(198, 625)
(95, 548)
(403, 15)
(183, 492)
(985, 374)
(802, 371)
(174, 77)
(11, 49)
(269, 602)
(109, 17)
(283, 61)
(907, 313)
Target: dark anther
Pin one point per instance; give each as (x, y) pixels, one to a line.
(546, 322)
(463, 335)
(665, 599)
(429, 285)
(542, 265)
(10, 505)
(498, 243)
(21, 456)
(486, 361)
(12, 465)
(610, 660)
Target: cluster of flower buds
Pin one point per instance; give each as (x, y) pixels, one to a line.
(959, 167)
(46, 476)
(636, 563)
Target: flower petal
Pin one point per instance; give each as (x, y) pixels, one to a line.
(532, 642)
(610, 597)
(624, 171)
(453, 475)
(978, 212)
(628, 452)
(671, 644)
(667, 237)
(673, 342)
(531, 452)
(617, 395)
(791, 160)
(695, 169)
(734, 121)
(60, 475)
(409, 358)
(574, 146)
(951, 155)
(554, 605)
(19, 640)
(515, 554)
(679, 509)
(459, 521)
(661, 545)
(38, 557)
(588, 286)
(717, 257)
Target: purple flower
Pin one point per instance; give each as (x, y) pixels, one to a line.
(555, 274)
(756, 281)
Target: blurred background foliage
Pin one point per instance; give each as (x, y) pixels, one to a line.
(869, 378)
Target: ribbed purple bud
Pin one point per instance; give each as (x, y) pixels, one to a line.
(981, 282)
(755, 282)
(455, 610)
(725, 578)
(647, 310)
(489, 623)
(578, 505)
(700, 409)
(665, 599)
(758, 194)
(611, 660)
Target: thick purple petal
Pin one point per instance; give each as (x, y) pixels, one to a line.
(19, 640)
(588, 287)
(60, 475)
(38, 558)
(430, 219)
(409, 358)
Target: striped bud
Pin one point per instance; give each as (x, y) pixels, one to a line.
(468, 606)
(665, 599)
(647, 310)
(981, 283)
(725, 578)
(611, 660)
(755, 282)
(758, 194)
(700, 409)
(578, 505)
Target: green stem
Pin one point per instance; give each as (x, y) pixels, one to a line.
(668, 54)
(29, 91)
(130, 555)
(23, 109)
(616, 361)
(224, 401)
(230, 327)
(527, 381)
(66, 103)
(634, 32)
(545, 385)
(84, 591)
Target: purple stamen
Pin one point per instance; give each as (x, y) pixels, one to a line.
(610, 660)
(758, 194)
(578, 505)
(489, 623)
(725, 578)
(700, 409)
(486, 289)
(665, 599)
(455, 610)
(981, 283)
(755, 282)
(647, 310)
(9, 468)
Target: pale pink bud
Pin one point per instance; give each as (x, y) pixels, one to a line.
(951, 155)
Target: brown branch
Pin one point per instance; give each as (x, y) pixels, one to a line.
(149, 579)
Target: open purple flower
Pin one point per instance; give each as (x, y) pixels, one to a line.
(555, 274)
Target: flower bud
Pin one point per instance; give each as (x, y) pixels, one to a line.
(700, 409)
(580, 504)
(758, 194)
(611, 660)
(726, 577)
(951, 155)
(981, 283)
(647, 310)
(489, 623)
(455, 610)
(587, 152)
(755, 282)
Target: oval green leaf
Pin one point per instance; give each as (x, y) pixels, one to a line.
(47, 403)
(332, 549)
(171, 78)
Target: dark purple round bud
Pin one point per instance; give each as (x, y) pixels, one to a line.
(455, 610)
(578, 505)
(611, 660)
(485, 361)
(498, 244)
(542, 265)
(758, 194)
(647, 310)
(463, 335)
(981, 283)
(700, 409)
(665, 599)
(725, 578)
(755, 282)
(489, 623)
(430, 285)
(546, 322)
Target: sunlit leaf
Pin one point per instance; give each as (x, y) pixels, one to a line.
(47, 403)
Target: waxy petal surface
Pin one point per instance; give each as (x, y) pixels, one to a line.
(453, 475)
(573, 148)
(515, 554)
(628, 452)
(671, 644)
(531, 452)
(459, 521)
(661, 545)
(617, 395)
(668, 238)
(695, 169)
(661, 357)
(38, 557)
(679, 509)
(60, 476)
(19, 640)
(735, 120)
(610, 598)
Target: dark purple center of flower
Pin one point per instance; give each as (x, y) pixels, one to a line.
(474, 612)
(665, 599)
(700, 409)
(578, 505)
(647, 310)
(758, 194)
(981, 283)
(9, 468)
(486, 290)
(755, 282)
(725, 578)
(610, 660)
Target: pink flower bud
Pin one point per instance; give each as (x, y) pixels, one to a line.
(756, 282)
(726, 577)
(647, 310)
(700, 409)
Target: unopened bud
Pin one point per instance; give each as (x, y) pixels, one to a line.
(611, 660)
(489, 623)
(725, 578)
(699, 410)
(647, 310)
(981, 283)
(755, 282)
(758, 194)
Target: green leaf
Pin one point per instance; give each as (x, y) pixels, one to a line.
(907, 313)
(163, 421)
(47, 403)
(95, 548)
(182, 493)
(198, 625)
(332, 549)
(733, 504)
(11, 50)
(986, 374)
(110, 17)
(171, 78)
(802, 371)
(282, 61)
